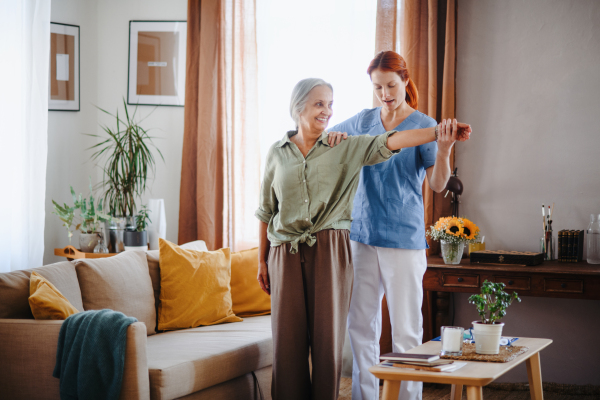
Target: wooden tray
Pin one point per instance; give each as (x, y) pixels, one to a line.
(73, 254)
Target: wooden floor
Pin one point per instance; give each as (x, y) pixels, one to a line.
(499, 391)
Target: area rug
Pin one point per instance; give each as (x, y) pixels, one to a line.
(497, 391)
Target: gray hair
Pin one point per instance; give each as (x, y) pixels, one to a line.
(300, 95)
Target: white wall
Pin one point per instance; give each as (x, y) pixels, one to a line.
(165, 122)
(68, 162)
(104, 27)
(528, 83)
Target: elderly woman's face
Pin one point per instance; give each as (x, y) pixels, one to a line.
(318, 109)
(389, 88)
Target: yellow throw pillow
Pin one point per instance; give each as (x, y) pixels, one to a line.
(46, 301)
(248, 298)
(194, 287)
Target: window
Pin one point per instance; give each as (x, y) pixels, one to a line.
(329, 39)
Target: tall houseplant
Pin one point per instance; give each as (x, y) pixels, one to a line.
(128, 166)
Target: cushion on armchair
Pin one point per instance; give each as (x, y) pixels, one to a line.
(120, 283)
(248, 298)
(194, 287)
(46, 301)
(14, 288)
(153, 259)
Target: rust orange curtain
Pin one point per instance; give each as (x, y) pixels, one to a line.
(220, 161)
(428, 44)
(424, 33)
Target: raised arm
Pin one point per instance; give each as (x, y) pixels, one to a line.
(416, 137)
(439, 173)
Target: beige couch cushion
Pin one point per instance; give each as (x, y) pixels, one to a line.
(154, 268)
(14, 288)
(121, 283)
(185, 361)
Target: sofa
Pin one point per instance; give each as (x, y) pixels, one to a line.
(225, 361)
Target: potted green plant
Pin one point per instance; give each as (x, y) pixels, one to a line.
(491, 305)
(87, 222)
(137, 238)
(129, 163)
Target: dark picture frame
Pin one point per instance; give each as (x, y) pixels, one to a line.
(64, 69)
(156, 66)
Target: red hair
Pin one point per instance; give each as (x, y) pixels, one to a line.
(390, 61)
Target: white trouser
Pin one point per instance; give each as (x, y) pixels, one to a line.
(399, 274)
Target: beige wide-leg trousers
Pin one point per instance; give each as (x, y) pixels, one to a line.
(310, 298)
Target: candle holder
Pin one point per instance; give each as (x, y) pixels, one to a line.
(452, 340)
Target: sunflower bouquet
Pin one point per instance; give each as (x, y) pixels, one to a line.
(454, 230)
(453, 233)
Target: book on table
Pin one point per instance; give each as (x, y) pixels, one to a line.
(409, 357)
(449, 367)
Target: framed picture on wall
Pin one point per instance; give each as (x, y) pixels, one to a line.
(63, 82)
(157, 63)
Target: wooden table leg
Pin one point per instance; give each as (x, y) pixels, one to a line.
(534, 373)
(456, 392)
(391, 389)
(474, 393)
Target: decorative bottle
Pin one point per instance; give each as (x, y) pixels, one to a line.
(593, 240)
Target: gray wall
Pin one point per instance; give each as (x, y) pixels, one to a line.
(528, 81)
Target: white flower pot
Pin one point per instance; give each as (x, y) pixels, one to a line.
(487, 337)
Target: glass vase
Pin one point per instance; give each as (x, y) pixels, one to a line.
(452, 252)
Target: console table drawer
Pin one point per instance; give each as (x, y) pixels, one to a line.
(514, 283)
(563, 285)
(461, 280)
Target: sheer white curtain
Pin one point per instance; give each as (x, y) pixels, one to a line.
(24, 51)
(333, 40)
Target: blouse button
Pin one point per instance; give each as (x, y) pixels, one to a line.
(304, 180)
(306, 201)
(303, 161)
(306, 219)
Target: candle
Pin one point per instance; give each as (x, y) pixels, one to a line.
(452, 338)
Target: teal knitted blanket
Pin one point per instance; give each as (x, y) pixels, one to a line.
(91, 355)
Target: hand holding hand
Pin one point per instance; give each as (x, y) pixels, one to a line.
(449, 131)
(336, 138)
(263, 277)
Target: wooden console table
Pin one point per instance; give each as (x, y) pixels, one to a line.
(549, 279)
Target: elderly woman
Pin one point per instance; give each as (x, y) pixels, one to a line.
(305, 261)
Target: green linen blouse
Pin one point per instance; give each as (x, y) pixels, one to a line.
(302, 196)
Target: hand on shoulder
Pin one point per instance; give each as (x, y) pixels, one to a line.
(336, 138)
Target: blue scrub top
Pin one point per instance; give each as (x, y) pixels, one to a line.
(388, 207)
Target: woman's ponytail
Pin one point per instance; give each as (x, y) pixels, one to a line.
(412, 95)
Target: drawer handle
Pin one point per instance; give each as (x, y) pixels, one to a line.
(511, 282)
(563, 285)
(460, 279)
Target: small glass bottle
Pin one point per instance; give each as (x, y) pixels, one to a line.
(593, 240)
(101, 246)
